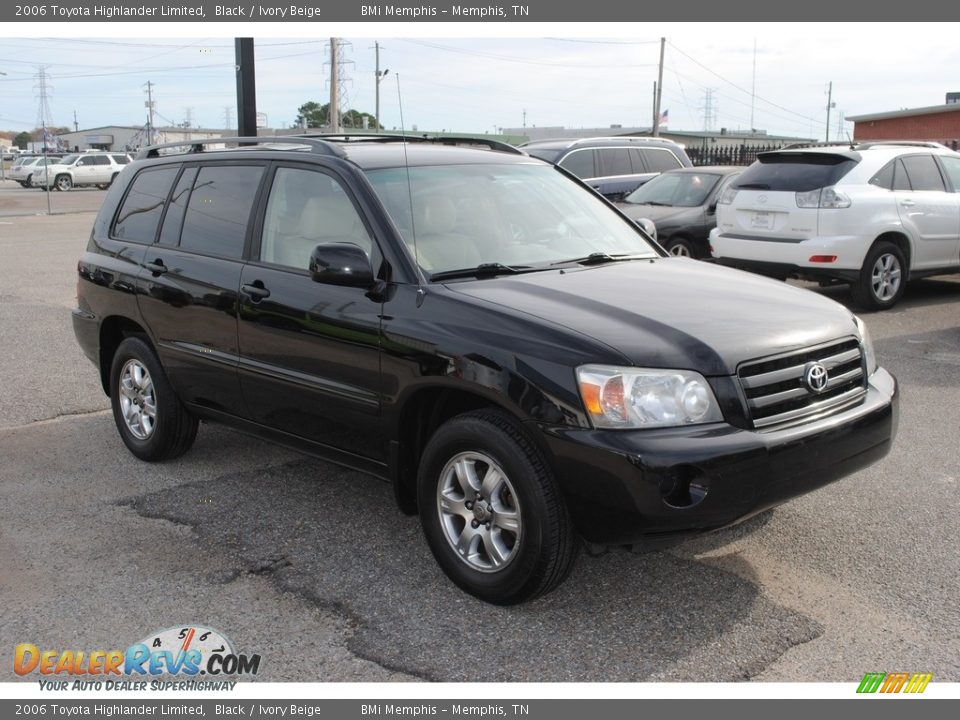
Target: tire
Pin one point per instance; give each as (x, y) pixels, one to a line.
(883, 277)
(113, 179)
(153, 423)
(23, 183)
(63, 183)
(516, 536)
(681, 247)
(28, 182)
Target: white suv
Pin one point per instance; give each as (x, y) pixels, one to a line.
(89, 168)
(873, 215)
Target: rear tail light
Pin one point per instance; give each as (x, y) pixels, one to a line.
(823, 258)
(727, 196)
(827, 197)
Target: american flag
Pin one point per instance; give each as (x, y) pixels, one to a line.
(664, 117)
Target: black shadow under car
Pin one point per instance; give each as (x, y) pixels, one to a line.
(517, 358)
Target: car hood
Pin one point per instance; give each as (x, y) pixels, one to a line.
(673, 312)
(662, 215)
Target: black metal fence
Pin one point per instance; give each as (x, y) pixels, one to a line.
(729, 155)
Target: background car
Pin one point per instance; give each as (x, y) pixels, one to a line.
(613, 166)
(27, 170)
(682, 204)
(874, 215)
(84, 169)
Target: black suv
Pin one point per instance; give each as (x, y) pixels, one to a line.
(514, 355)
(613, 166)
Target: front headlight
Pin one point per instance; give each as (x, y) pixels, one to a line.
(869, 355)
(631, 398)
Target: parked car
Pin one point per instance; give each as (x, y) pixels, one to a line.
(613, 166)
(874, 215)
(85, 169)
(26, 168)
(682, 205)
(513, 354)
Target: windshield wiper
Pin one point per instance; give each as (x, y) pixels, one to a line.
(654, 202)
(598, 258)
(481, 271)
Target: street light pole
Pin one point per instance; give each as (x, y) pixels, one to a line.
(3, 166)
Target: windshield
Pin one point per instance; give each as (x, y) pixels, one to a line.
(795, 172)
(515, 215)
(675, 189)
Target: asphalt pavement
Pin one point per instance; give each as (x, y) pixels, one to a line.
(312, 566)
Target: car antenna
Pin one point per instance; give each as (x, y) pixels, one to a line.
(421, 291)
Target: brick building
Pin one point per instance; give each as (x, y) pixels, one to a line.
(939, 123)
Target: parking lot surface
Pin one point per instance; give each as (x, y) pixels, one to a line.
(312, 566)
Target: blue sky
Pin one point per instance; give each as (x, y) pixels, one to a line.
(576, 76)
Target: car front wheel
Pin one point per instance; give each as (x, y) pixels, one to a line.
(882, 277)
(153, 423)
(63, 182)
(491, 510)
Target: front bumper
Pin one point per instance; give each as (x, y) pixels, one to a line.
(625, 487)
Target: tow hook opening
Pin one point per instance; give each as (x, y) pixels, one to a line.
(684, 486)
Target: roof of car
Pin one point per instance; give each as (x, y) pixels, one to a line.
(564, 143)
(718, 169)
(373, 155)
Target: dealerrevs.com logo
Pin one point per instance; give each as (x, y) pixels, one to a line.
(186, 653)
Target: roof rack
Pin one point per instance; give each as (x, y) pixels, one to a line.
(795, 146)
(907, 143)
(196, 146)
(424, 138)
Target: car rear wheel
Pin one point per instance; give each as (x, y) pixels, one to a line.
(680, 247)
(882, 277)
(153, 423)
(491, 510)
(63, 182)
(28, 182)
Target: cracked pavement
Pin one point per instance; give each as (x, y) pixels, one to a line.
(312, 566)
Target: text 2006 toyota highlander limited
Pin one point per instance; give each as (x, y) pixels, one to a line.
(480, 329)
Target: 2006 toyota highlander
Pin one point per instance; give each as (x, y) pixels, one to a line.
(519, 360)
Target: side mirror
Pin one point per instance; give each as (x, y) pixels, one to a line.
(343, 264)
(647, 226)
(712, 207)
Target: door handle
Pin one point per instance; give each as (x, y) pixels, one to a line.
(256, 291)
(156, 267)
(907, 203)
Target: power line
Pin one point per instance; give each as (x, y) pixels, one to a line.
(524, 61)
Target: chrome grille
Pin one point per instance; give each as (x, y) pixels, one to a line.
(777, 395)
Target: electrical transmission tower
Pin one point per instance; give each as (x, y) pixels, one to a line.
(709, 108)
(227, 117)
(43, 88)
(339, 81)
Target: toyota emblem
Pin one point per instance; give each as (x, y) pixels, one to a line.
(815, 377)
(762, 199)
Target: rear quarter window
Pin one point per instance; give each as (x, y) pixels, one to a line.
(142, 207)
(795, 172)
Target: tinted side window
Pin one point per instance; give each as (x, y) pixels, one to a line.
(659, 160)
(923, 172)
(101, 160)
(580, 163)
(141, 209)
(615, 161)
(219, 209)
(177, 208)
(952, 166)
(884, 178)
(900, 179)
(120, 159)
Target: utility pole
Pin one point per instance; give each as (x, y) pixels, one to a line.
(76, 125)
(830, 104)
(149, 104)
(656, 110)
(333, 116)
(653, 104)
(246, 88)
(753, 88)
(524, 118)
(44, 113)
(380, 76)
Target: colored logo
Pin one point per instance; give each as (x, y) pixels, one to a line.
(894, 682)
(190, 651)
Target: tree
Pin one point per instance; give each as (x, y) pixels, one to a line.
(317, 115)
(313, 113)
(23, 140)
